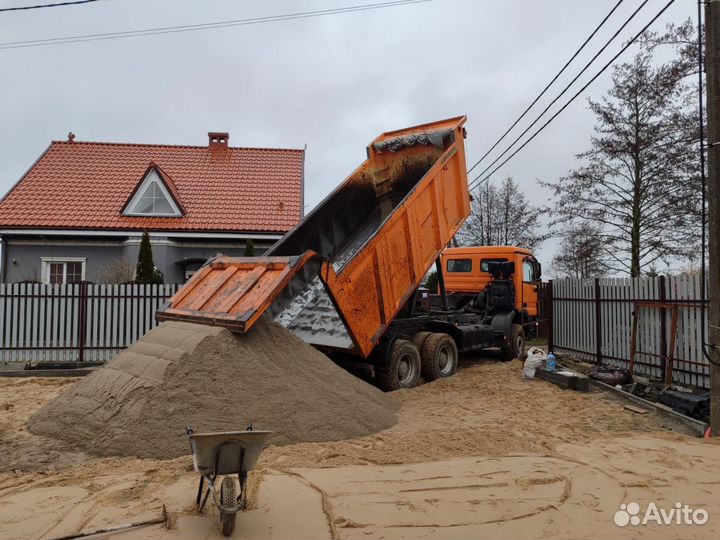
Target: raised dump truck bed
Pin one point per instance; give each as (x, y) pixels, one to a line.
(340, 277)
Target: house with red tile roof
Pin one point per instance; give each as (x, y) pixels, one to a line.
(80, 210)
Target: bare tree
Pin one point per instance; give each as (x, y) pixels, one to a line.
(680, 37)
(116, 271)
(639, 180)
(580, 252)
(502, 216)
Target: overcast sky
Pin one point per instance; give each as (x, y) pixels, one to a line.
(330, 82)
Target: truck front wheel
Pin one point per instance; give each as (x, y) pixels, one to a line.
(403, 369)
(439, 357)
(516, 344)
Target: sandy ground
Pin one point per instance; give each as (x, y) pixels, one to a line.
(483, 454)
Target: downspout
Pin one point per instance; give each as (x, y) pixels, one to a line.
(3, 257)
(302, 184)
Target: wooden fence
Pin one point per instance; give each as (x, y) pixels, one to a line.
(653, 320)
(75, 323)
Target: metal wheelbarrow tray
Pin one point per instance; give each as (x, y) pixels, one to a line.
(225, 454)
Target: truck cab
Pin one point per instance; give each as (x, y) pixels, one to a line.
(466, 273)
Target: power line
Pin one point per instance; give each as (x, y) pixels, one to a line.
(624, 48)
(59, 4)
(541, 94)
(206, 26)
(567, 87)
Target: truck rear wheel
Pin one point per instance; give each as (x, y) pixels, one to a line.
(403, 369)
(516, 345)
(439, 356)
(419, 340)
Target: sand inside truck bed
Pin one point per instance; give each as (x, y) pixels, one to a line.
(182, 373)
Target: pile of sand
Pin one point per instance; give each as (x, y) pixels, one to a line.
(181, 373)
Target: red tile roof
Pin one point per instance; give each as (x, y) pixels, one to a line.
(84, 185)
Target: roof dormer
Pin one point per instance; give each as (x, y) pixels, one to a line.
(153, 196)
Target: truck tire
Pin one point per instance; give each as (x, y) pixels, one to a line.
(516, 347)
(439, 356)
(419, 340)
(403, 369)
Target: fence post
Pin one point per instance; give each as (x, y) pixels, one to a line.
(551, 326)
(664, 352)
(598, 324)
(82, 320)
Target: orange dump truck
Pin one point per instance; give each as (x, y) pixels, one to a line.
(346, 278)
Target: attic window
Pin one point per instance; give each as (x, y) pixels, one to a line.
(152, 199)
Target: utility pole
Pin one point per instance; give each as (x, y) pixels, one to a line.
(712, 74)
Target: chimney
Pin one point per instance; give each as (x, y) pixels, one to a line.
(217, 139)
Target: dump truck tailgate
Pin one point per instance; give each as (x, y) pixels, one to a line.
(233, 291)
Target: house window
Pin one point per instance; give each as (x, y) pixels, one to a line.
(57, 270)
(152, 199)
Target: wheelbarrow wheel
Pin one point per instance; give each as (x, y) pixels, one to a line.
(228, 499)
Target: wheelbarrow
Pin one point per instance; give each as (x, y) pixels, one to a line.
(225, 454)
